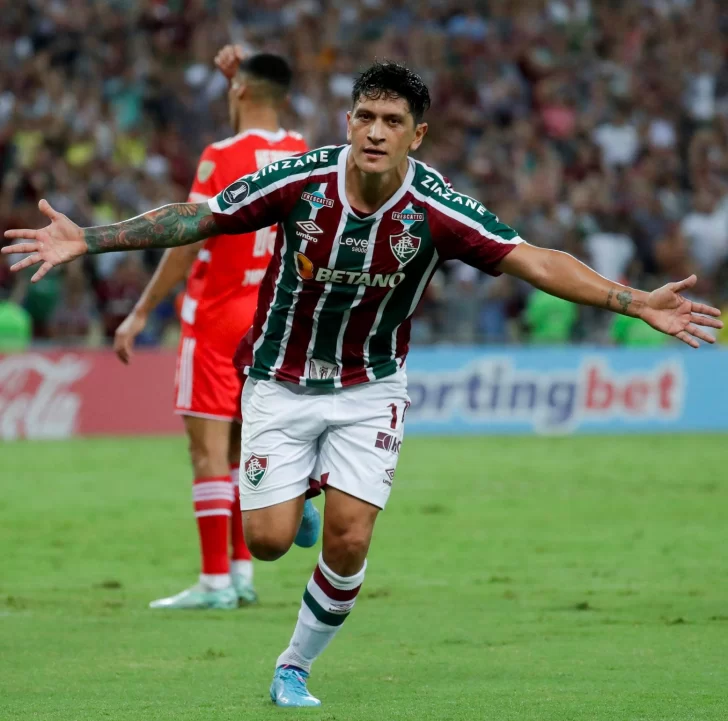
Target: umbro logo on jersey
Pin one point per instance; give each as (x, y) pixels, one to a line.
(404, 246)
(308, 226)
(318, 200)
(236, 193)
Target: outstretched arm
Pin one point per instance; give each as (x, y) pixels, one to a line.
(166, 227)
(62, 241)
(562, 275)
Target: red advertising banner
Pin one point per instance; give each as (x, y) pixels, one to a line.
(65, 393)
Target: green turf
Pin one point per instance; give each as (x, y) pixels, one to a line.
(545, 579)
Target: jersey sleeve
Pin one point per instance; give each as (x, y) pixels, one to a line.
(204, 185)
(477, 238)
(257, 200)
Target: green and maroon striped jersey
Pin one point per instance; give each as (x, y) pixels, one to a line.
(335, 305)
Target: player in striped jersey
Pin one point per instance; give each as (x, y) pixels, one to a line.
(362, 228)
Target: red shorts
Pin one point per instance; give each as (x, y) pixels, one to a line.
(206, 383)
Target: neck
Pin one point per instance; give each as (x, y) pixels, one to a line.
(368, 192)
(257, 117)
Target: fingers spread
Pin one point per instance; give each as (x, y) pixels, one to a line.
(41, 272)
(706, 321)
(687, 283)
(26, 234)
(25, 263)
(688, 339)
(45, 207)
(699, 333)
(705, 309)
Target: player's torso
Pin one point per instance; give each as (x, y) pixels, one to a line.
(347, 283)
(229, 268)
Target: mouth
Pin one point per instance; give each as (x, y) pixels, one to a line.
(374, 153)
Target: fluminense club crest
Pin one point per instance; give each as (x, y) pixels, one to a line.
(255, 469)
(404, 246)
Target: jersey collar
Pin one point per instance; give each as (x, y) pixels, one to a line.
(341, 186)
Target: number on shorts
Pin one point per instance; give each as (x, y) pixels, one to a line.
(393, 424)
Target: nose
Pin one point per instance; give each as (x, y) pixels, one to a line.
(376, 131)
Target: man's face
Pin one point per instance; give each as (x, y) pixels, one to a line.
(382, 132)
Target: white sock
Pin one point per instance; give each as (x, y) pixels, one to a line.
(327, 601)
(215, 581)
(242, 568)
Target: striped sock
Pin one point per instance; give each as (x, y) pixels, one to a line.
(327, 601)
(213, 498)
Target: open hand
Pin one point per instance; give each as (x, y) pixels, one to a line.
(668, 311)
(60, 242)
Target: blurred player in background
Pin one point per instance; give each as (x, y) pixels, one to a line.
(217, 310)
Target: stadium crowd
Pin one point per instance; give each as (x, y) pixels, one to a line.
(596, 126)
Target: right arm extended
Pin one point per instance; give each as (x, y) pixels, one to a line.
(166, 227)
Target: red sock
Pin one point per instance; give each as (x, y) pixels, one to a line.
(213, 499)
(240, 550)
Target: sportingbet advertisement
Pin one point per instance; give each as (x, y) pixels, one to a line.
(453, 390)
(570, 390)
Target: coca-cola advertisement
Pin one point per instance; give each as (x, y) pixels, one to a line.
(81, 392)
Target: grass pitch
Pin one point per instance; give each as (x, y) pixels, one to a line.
(549, 579)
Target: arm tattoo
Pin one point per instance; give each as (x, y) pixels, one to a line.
(609, 298)
(625, 300)
(165, 227)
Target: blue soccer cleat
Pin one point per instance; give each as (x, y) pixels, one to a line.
(308, 531)
(289, 688)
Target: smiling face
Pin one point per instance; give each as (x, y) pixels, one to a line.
(382, 131)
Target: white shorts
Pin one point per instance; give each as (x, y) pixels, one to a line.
(347, 438)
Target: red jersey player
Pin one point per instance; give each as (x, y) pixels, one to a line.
(217, 311)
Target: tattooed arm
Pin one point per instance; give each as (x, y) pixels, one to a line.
(665, 309)
(62, 241)
(562, 275)
(166, 227)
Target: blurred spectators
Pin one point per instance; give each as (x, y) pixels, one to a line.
(600, 128)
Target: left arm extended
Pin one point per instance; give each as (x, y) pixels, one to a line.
(562, 275)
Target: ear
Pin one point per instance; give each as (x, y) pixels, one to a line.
(348, 126)
(420, 132)
(240, 90)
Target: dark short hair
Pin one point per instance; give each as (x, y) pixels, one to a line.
(269, 68)
(392, 80)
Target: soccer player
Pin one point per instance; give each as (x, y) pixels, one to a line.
(362, 228)
(217, 311)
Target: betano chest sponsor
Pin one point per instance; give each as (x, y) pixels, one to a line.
(307, 271)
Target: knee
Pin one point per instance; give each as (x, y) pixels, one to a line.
(345, 551)
(266, 546)
(207, 460)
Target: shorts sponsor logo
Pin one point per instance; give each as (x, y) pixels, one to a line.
(255, 469)
(358, 245)
(318, 200)
(236, 193)
(388, 442)
(404, 246)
